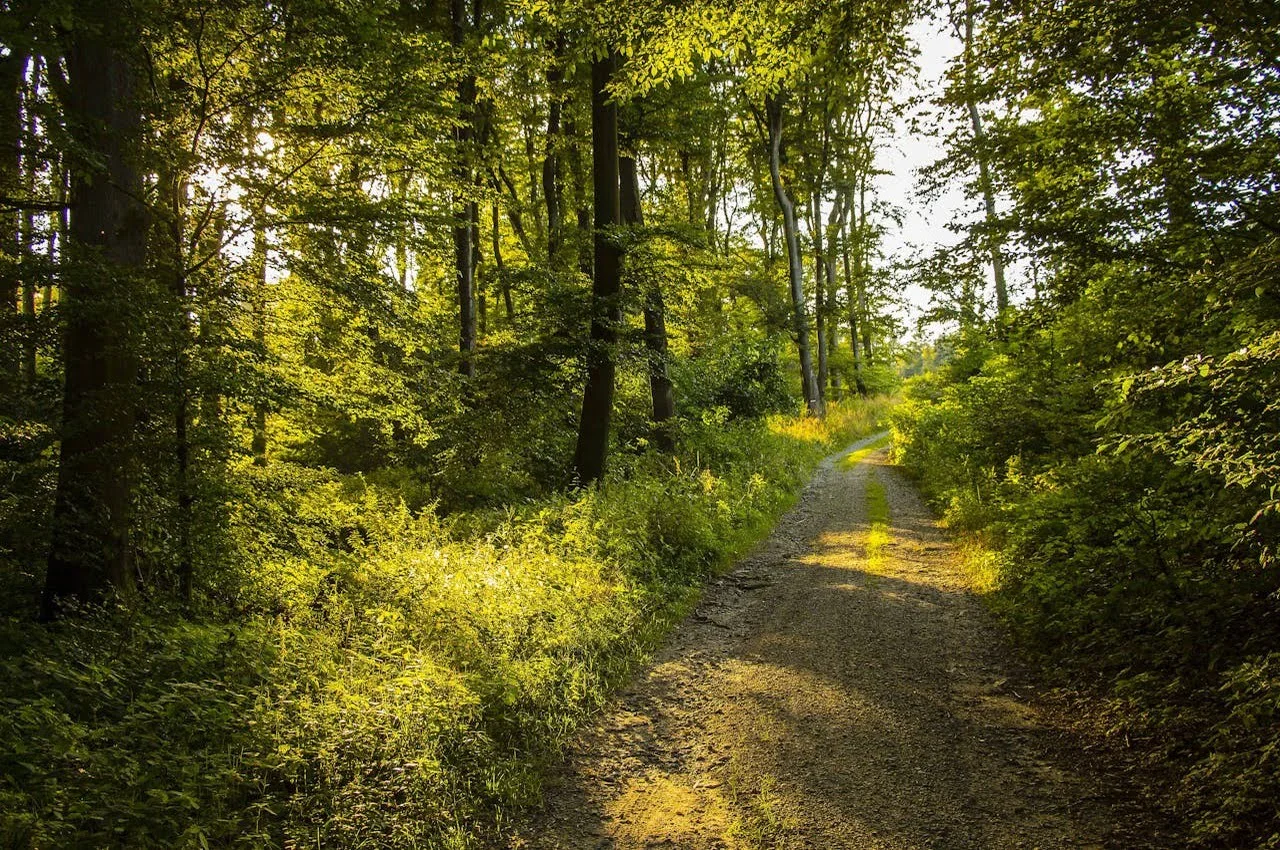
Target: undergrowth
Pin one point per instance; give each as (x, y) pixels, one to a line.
(1141, 581)
(387, 677)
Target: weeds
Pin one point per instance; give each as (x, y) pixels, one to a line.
(390, 677)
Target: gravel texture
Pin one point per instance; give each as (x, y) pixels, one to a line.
(818, 698)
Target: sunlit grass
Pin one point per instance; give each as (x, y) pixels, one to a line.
(878, 535)
(852, 459)
(400, 679)
(760, 822)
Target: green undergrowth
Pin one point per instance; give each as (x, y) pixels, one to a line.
(385, 677)
(1140, 579)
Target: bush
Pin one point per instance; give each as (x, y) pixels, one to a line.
(391, 678)
(1124, 528)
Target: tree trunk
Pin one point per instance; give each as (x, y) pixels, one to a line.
(584, 214)
(819, 291)
(463, 209)
(91, 552)
(984, 169)
(850, 288)
(795, 267)
(11, 238)
(829, 263)
(597, 400)
(258, 443)
(864, 271)
(173, 191)
(551, 181)
(500, 269)
(661, 390)
(29, 237)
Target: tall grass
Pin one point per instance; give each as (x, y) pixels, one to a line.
(381, 677)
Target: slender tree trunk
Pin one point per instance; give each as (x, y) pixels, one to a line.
(91, 551)
(209, 338)
(606, 314)
(400, 186)
(819, 291)
(464, 209)
(11, 237)
(850, 288)
(533, 168)
(258, 443)
(514, 215)
(29, 237)
(864, 270)
(64, 225)
(661, 390)
(552, 182)
(795, 267)
(504, 284)
(991, 218)
(829, 263)
(573, 156)
(176, 188)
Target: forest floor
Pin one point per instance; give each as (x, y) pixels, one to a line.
(842, 687)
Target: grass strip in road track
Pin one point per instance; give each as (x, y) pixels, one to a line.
(852, 459)
(878, 535)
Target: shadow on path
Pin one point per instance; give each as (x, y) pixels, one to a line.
(818, 698)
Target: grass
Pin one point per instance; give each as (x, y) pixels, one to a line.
(852, 459)
(760, 823)
(388, 677)
(878, 535)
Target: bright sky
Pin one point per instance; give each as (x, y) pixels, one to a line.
(924, 222)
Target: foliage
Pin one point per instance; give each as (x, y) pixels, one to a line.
(392, 676)
(1124, 528)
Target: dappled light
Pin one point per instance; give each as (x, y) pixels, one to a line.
(715, 424)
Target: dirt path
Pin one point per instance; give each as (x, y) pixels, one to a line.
(841, 688)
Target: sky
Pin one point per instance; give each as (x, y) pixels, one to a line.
(924, 224)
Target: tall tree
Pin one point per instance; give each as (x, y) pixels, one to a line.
(661, 390)
(775, 109)
(91, 549)
(464, 206)
(606, 308)
(986, 185)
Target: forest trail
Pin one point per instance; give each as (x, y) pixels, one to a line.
(840, 688)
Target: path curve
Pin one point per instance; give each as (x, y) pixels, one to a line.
(841, 688)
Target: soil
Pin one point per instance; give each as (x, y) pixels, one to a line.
(842, 687)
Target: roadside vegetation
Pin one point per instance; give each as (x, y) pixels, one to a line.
(1110, 446)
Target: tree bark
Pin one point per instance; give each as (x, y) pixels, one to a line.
(597, 400)
(11, 71)
(864, 264)
(661, 390)
(258, 442)
(829, 262)
(850, 288)
(91, 551)
(552, 193)
(819, 290)
(29, 236)
(464, 211)
(795, 267)
(500, 268)
(991, 218)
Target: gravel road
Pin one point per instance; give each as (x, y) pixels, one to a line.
(842, 687)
